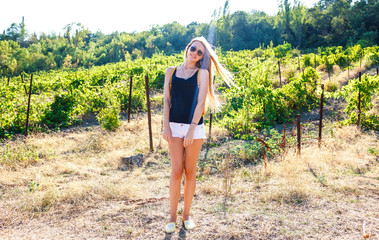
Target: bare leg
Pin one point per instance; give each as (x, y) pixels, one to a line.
(176, 153)
(190, 162)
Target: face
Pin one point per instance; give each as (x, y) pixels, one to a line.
(196, 51)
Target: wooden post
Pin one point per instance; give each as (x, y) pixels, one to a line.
(264, 157)
(360, 59)
(210, 125)
(27, 112)
(26, 91)
(298, 135)
(298, 58)
(315, 61)
(148, 112)
(130, 97)
(283, 143)
(280, 75)
(320, 122)
(247, 125)
(328, 72)
(359, 103)
(8, 80)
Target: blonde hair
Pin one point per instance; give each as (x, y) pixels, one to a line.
(209, 59)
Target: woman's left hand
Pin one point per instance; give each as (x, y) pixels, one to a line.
(188, 139)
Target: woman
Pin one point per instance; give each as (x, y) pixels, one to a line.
(187, 89)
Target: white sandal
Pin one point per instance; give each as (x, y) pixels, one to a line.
(189, 224)
(170, 227)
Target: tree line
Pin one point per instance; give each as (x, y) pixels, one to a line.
(327, 23)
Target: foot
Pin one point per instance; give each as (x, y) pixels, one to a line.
(170, 227)
(189, 224)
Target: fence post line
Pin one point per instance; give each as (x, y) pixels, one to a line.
(280, 75)
(360, 59)
(23, 84)
(27, 112)
(298, 57)
(130, 97)
(264, 156)
(210, 125)
(300, 69)
(148, 112)
(315, 61)
(320, 122)
(359, 102)
(298, 135)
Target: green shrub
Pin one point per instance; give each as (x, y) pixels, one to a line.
(289, 73)
(158, 80)
(367, 87)
(59, 114)
(14, 155)
(109, 118)
(307, 60)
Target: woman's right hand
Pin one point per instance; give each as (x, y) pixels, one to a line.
(167, 134)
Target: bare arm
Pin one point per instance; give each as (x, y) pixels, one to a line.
(166, 105)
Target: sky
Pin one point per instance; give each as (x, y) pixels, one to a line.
(119, 15)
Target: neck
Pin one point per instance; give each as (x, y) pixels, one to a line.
(189, 65)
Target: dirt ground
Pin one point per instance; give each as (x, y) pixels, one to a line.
(340, 216)
(327, 194)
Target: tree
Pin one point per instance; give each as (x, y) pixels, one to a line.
(67, 62)
(8, 62)
(223, 29)
(15, 32)
(280, 52)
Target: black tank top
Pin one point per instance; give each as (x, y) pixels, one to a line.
(184, 94)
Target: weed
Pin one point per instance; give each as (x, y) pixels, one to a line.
(18, 154)
(32, 186)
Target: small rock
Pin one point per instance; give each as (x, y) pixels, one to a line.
(127, 163)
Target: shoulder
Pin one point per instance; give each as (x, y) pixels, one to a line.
(169, 72)
(203, 71)
(203, 74)
(170, 69)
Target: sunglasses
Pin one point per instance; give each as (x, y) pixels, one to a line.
(193, 49)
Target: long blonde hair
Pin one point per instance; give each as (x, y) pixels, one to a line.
(209, 59)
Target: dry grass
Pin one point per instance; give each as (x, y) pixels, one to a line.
(331, 86)
(77, 190)
(45, 171)
(342, 77)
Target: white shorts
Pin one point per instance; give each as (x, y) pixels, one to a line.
(180, 130)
